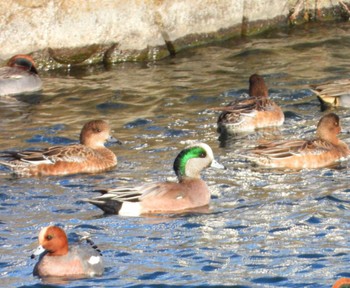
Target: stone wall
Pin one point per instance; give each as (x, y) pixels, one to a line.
(91, 31)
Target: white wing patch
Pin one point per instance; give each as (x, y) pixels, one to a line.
(16, 76)
(44, 161)
(94, 260)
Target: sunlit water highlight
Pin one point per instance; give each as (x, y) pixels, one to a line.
(266, 228)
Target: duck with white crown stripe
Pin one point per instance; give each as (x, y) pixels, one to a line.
(190, 192)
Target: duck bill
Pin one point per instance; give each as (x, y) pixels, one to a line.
(113, 140)
(217, 165)
(38, 251)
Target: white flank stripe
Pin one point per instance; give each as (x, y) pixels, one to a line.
(130, 209)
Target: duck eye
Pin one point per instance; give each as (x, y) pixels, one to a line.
(202, 155)
(49, 237)
(98, 130)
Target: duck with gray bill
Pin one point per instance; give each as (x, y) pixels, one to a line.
(189, 193)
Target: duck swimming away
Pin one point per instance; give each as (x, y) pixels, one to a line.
(257, 111)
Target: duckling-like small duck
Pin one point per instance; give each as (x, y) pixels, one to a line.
(322, 151)
(90, 156)
(57, 259)
(19, 76)
(188, 193)
(335, 93)
(257, 111)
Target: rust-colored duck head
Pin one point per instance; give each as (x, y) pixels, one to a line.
(257, 86)
(24, 62)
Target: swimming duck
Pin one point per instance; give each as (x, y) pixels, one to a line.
(90, 156)
(322, 151)
(59, 260)
(257, 111)
(19, 76)
(335, 93)
(188, 193)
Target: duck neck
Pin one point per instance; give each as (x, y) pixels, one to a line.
(60, 252)
(190, 170)
(91, 143)
(259, 91)
(331, 138)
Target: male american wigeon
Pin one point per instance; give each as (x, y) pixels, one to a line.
(188, 193)
(335, 93)
(342, 283)
(257, 111)
(59, 260)
(90, 156)
(322, 151)
(19, 76)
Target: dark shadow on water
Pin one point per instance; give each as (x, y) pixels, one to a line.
(30, 98)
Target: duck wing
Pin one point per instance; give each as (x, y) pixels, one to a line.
(286, 149)
(12, 73)
(133, 194)
(70, 153)
(336, 88)
(234, 111)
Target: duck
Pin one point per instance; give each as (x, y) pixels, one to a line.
(189, 193)
(333, 94)
(256, 111)
(89, 156)
(324, 150)
(342, 283)
(19, 76)
(57, 259)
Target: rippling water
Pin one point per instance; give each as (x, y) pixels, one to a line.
(266, 228)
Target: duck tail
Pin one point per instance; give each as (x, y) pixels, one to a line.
(108, 206)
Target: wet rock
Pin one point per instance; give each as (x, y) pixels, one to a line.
(65, 32)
